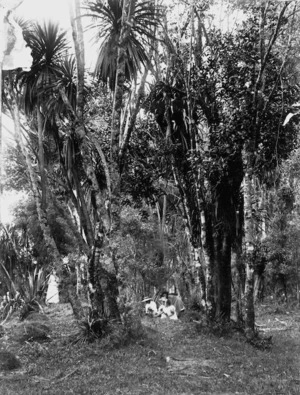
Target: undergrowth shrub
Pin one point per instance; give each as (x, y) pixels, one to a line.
(260, 342)
(129, 330)
(34, 332)
(218, 326)
(90, 330)
(8, 361)
(111, 334)
(192, 316)
(195, 302)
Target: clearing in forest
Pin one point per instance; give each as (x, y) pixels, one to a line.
(170, 358)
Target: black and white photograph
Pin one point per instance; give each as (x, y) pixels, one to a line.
(150, 197)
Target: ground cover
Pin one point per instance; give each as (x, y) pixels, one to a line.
(171, 358)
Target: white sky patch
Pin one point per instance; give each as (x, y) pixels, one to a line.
(55, 10)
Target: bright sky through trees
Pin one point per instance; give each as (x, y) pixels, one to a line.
(39, 10)
(56, 10)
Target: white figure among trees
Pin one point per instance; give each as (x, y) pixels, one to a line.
(52, 291)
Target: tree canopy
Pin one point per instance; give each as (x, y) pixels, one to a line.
(172, 165)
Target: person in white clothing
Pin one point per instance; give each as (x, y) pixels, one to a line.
(162, 308)
(170, 311)
(167, 310)
(150, 307)
(52, 291)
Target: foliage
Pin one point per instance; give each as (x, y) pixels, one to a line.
(49, 45)
(25, 256)
(146, 162)
(16, 177)
(125, 333)
(31, 291)
(220, 105)
(108, 20)
(281, 244)
(10, 307)
(90, 330)
(26, 295)
(112, 334)
(27, 221)
(141, 258)
(212, 100)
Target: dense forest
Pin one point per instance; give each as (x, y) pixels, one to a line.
(172, 165)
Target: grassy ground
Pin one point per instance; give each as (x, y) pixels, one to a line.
(174, 358)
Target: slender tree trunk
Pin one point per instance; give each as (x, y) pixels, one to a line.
(82, 209)
(104, 285)
(237, 280)
(41, 158)
(249, 254)
(297, 276)
(128, 130)
(207, 250)
(128, 7)
(224, 280)
(77, 31)
(74, 301)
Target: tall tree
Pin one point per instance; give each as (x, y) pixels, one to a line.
(13, 54)
(127, 29)
(130, 52)
(206, 106)
(48, 45)
(103, 285)
(266, 83)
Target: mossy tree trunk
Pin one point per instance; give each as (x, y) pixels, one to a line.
(103, 289)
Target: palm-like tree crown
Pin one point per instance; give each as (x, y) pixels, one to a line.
(49, 46)
(108, 15)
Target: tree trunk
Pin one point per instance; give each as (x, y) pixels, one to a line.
(41, 158)
(222, 274)
(77, 199)
(224, 280)
(237, 280)
(75, 302)
(133, 116)
(103, 285)
(128, 7)
(42, 216)
(77, 32)
(207, 249)
(249, 254)
(82, 209)
(258, 287)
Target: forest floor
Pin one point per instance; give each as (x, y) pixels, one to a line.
(171, 358)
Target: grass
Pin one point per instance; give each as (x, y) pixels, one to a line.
(174, 358)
